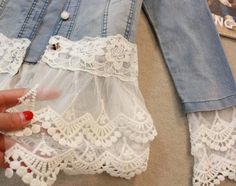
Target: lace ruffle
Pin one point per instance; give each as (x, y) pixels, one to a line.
(213, 137)
(84, 145)
(41, 164)
(210, 168)
(109, 56)
(101, 131)
(12, 52)
(97, 124)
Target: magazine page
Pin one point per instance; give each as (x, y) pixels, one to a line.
(224, 16)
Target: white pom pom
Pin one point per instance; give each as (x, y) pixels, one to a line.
(9, 173)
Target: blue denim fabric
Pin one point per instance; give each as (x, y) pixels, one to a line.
(38, 20)
(187, 36)
(193, 53)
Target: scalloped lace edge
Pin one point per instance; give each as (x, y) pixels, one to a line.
(210, 169)
(102, 131)
(40, 171)
(213, 147)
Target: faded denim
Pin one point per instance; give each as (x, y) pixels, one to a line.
(38, 20)
(193, 53)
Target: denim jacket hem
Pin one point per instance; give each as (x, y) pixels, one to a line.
(210, 105)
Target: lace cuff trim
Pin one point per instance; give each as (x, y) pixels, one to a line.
(109, 56)
(12, 52)
(41, 165)
(84, 145)
(101, 131)
(213, 137)
(210, 168)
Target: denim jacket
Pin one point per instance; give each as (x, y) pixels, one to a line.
(83, 51)
(98, 36)
(38, 20)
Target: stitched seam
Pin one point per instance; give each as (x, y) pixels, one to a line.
(40, 18)
(27, 18)
(105, 19)
(59, 20)
(209, 100)
(130, 19)
(72, 22)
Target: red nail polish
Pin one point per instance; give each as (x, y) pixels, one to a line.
(28, 115)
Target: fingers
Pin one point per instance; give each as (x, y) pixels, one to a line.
(47, 94)
(5, 143)
(2, 143)
(9, 98)
(3, 164)
(14, 120)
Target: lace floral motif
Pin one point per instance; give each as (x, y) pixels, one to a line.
(110, 56)
(213, 137)
(12, 52)
(41, 169)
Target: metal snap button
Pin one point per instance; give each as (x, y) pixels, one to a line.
(65, 15)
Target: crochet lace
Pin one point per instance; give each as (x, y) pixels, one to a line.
(213, 137)
(12, 52)
(99, 124)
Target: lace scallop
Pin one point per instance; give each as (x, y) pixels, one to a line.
(75, 137)
(213, 137)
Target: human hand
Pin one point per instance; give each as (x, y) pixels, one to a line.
(11, 121)
(226, 3)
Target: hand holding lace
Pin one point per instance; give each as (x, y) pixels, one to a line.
(10, 121)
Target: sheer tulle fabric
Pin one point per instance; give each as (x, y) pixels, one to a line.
(99, 122)
(213, 137)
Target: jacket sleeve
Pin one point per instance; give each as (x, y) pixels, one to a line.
(193, 53)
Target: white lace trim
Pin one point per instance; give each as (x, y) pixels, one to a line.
(101, 131)
(12, 52)
(41, 166)
(213, 137)
(108, 56)
(79, 145)
(212, 168)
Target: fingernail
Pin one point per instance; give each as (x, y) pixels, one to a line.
(28, 115)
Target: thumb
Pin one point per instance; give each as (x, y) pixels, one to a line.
(14, 120)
